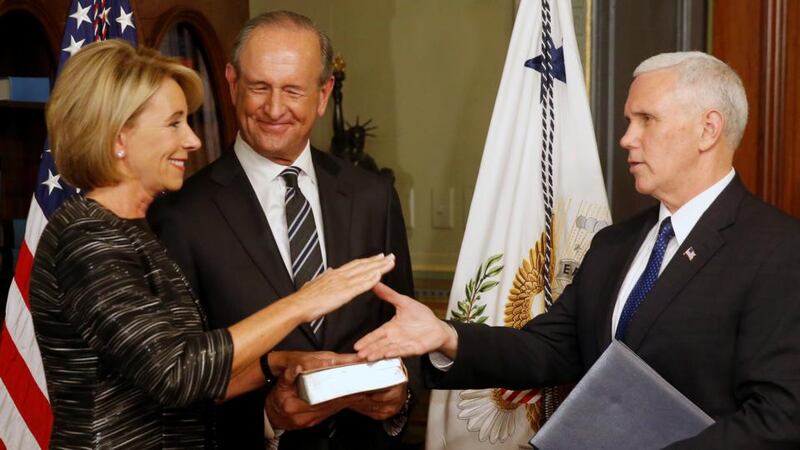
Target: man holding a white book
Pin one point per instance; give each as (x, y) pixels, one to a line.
(270, 215)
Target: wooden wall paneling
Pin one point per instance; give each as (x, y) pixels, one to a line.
(736, 40)
(50, 14)
(789, 165)
(224, 17)
(217, 56)
(216, 22)
(773, 70)
(731, 22)
(759, 39)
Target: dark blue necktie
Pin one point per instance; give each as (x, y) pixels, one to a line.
(646, 280)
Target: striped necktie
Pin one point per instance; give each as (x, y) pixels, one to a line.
(647, 279)
(303, 238)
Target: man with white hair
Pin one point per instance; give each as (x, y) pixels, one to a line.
(705, 287)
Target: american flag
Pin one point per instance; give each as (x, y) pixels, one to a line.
(25, 416)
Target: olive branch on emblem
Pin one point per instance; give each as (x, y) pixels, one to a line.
(469, 310)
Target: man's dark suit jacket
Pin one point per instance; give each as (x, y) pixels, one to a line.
(722, 327)
(217, 232)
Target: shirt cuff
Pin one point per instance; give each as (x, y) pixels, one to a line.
(440, 361)
(269, 432)
(394, 425)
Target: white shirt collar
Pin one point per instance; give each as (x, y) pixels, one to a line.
(267, 170)
(685, 218)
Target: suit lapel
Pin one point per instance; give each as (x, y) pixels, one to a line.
(704, 240)
(618, 268)
(239, 205)
(335, 197)
(336, 203)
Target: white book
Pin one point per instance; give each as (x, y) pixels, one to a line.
(321, 385)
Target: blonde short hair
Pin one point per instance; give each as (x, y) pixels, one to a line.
(100, 90)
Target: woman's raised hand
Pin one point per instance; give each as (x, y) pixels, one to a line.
(335, 287)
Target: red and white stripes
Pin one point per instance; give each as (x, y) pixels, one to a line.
(25, 416)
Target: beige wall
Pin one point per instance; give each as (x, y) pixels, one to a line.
(426, 72)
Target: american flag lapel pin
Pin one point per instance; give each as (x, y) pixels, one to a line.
(689, 253)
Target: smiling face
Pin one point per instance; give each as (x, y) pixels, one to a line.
(158, 141)
(277, 93)
(663, 139)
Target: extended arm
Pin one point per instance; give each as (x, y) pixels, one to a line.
(133, 332)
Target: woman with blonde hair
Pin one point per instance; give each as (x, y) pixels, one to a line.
(128, 356)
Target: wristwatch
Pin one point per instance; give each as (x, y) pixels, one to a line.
(269, 378)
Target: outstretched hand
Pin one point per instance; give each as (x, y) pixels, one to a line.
(414, 330)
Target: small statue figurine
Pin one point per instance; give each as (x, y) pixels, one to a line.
(339, 140)
(348, 142)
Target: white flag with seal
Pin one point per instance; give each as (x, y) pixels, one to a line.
(538, 202)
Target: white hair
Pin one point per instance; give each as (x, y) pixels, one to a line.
(710, 84)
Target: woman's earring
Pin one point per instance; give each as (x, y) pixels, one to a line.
(120, 153)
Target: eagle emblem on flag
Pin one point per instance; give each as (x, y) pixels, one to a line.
(492, 412)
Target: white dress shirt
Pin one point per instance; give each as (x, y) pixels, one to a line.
(270, 188)
(683, 221)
